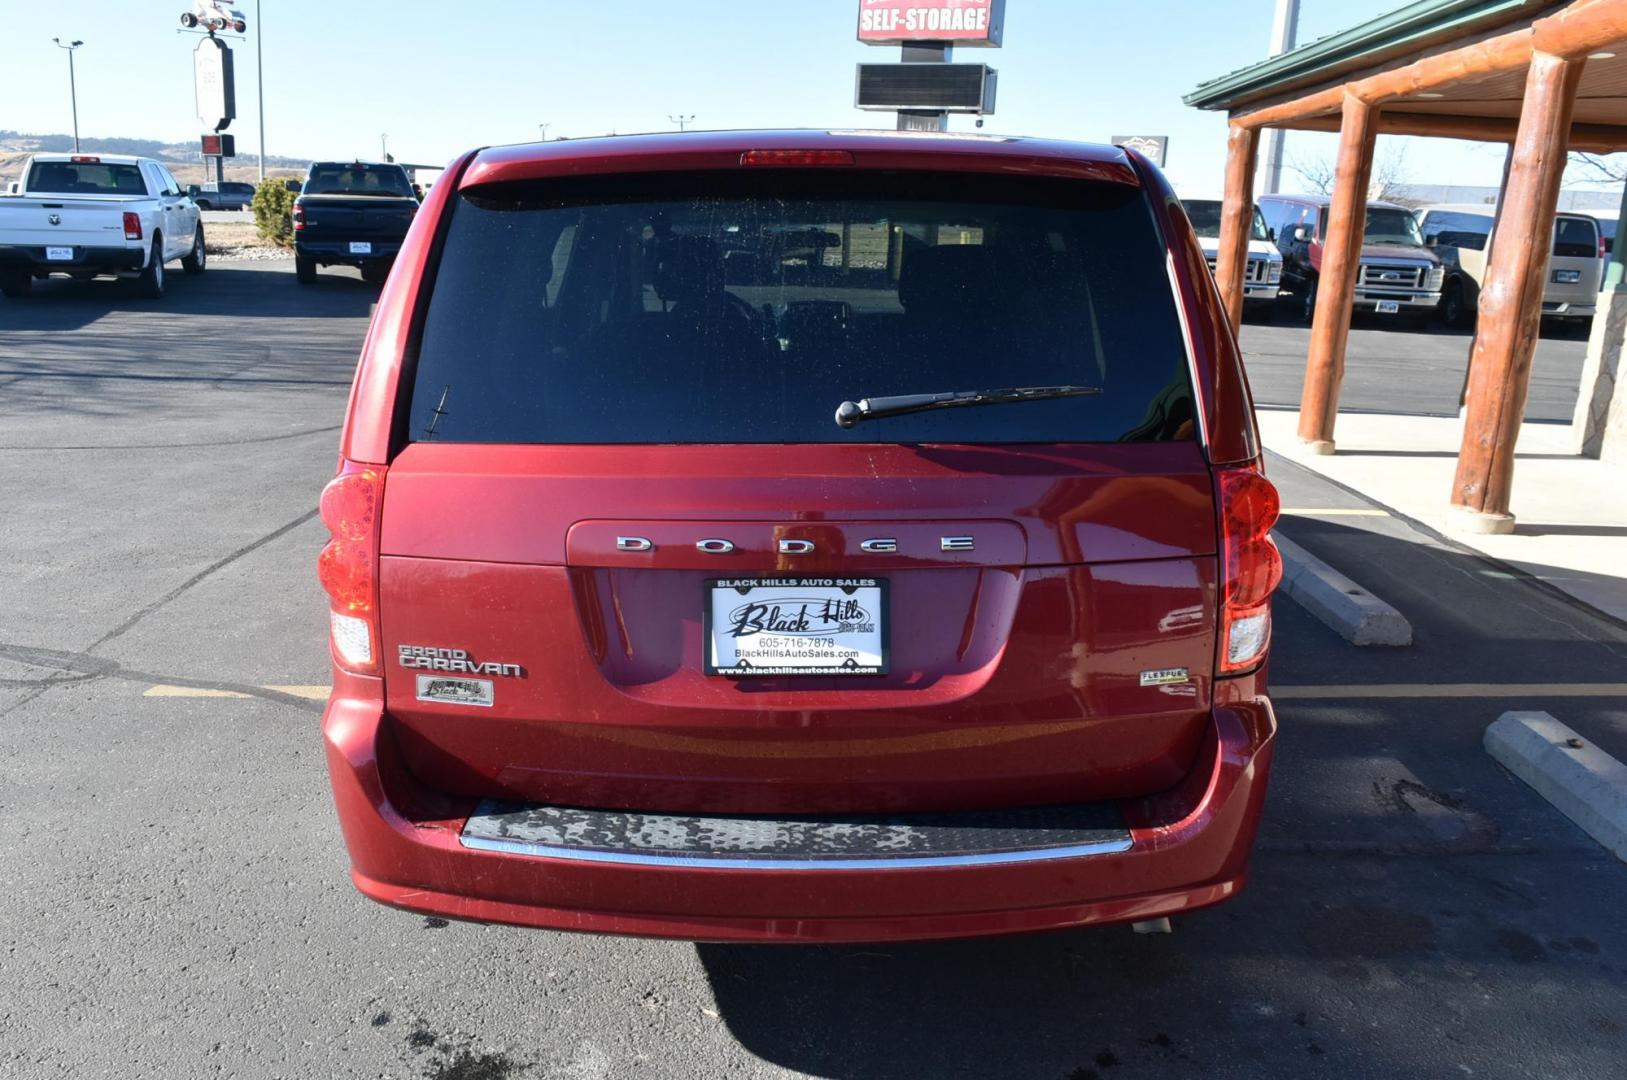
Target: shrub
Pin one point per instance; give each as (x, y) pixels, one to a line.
(273, 207)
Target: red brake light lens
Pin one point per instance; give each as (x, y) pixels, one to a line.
(132, 226)
(348, 564)
(85, 159)
(299, 217)
(1251, 565)
(797, 157)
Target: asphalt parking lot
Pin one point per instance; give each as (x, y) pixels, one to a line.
(173, 891)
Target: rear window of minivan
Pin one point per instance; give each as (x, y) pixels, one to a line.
(745, 307)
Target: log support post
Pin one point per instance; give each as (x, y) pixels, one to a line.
(1511, 299)
(1236, 220)
(1336, 279)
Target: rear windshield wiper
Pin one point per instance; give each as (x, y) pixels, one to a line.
(849, 413)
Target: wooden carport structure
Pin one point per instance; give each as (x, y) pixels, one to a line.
(1545, 76)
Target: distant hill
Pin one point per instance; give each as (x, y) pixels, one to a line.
(13, 143)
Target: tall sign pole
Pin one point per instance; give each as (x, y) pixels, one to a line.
(924, 52)
(1284, 33)
(260, 82)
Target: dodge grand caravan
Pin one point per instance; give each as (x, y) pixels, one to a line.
(800, 536)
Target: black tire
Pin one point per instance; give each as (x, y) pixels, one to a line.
(16, 286)
(189, 20)
(240, 26)
(1454, 308)
(196, 261)
(205, 204)
(1307, 307)
(150, 285)
(304, 270)
(375, 273)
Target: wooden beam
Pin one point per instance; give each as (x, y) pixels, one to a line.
(1336, 282)
(1591, 138)
(1236, 220)
(1511, 300)
(1583, 27)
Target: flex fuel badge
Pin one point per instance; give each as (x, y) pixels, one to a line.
(1165, 676)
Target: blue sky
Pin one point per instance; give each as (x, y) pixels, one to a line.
(441, 77)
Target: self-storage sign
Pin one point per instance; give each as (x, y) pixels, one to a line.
(963, 22)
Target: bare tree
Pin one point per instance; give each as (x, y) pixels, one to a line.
(1390, 173)
(1597, 168)
(1316, 172)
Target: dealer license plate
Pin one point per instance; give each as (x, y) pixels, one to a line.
(1389, 307)
(795, 626)
(361, 247)
(59, 254)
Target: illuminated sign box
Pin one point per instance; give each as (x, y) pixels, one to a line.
(967, 88)
(975, 23)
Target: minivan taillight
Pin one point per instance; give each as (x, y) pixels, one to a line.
(348, 565)
(132, 226)
(1251, 565)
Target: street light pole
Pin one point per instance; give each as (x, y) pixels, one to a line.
(1284, 33)
(384, 150)
(73, 88)
(260, 83)
(542, 129)
(681, 120)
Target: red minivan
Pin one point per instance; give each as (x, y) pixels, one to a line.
(815, 536)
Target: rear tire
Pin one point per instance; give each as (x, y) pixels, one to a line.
(16, 286)
(375, 273)
(189, 20)
(1454, 309)
(150, 285)
(1307, 313)
(240, 26)
(304, 270)
(196, 261)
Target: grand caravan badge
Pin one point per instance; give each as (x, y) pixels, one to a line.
(453, 661)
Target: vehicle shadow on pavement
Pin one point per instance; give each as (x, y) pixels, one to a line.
(1413, 910)
(61, 304)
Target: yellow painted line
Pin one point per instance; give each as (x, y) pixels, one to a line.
(189, 691)
(315, 693)
(1449, 690)
(1333, 511)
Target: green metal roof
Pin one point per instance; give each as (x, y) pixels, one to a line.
(1403, 30)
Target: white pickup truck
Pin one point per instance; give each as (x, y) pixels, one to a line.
(89, 214)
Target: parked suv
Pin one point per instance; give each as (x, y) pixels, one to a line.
(1461, 236)
(800, 536)
(1398, 275)
(1263, 274)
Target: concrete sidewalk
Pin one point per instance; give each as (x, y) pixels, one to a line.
(1571, 512)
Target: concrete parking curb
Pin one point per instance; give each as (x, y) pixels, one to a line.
(1356, 614)
(1583, 782)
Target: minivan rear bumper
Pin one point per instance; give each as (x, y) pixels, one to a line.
(1190, 848)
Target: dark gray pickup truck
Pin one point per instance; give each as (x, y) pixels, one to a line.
(351, 213)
